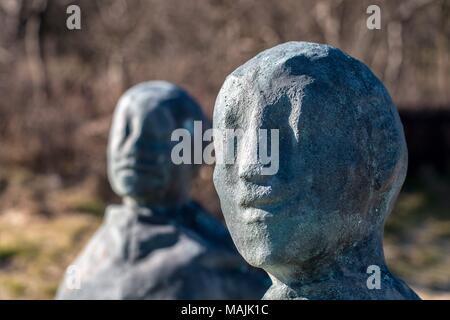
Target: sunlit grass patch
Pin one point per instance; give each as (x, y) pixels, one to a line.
(34, 252)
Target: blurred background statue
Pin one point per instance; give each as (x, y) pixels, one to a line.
(158, 244)
(316, 226)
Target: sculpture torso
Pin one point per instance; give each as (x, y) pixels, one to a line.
(137, 255)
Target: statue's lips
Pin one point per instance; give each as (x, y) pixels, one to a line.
(265, 199)
(138, 168)
(251, 201)
(256, 215)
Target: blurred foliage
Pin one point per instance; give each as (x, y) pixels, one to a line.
(59, 87)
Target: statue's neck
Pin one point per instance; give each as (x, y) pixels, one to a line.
(336, 277)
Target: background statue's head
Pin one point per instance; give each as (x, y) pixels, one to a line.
(139, 149)
(342, 155)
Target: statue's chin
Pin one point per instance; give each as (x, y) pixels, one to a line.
(255, 259)
(257, 254)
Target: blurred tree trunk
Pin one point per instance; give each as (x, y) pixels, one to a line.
(33, 50)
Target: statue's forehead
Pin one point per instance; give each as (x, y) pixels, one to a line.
(142, 107)
(150, 120)
(289, 67)
(243, 97)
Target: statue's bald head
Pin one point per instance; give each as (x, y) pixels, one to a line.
(139, 150)
(342, 154)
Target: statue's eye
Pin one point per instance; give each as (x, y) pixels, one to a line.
(126, 132)
(233, 119)
(127, 129)
(230, 120)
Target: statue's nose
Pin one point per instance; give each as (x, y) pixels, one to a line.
(251, 173)
(250, 169)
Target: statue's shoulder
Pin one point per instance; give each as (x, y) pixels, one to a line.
(399, 290)
(206, 226)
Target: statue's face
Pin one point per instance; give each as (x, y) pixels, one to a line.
(316, 202)
(139, 152)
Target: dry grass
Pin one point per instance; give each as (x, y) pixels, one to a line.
(34, 252)
(35, 248)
